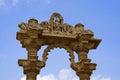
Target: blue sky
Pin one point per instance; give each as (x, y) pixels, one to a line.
(101, 16)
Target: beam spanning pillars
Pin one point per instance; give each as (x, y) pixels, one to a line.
(56, 34)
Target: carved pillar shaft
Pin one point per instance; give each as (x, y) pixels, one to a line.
(31, 76)
(83, 72)
(82, 55)
(32, 54)
(84, 77)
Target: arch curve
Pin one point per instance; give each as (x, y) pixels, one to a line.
(45, 53)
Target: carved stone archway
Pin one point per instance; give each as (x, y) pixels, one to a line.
(56, 34)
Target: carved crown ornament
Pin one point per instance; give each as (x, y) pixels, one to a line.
(56, 34)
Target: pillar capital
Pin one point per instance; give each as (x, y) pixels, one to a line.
(31, 66)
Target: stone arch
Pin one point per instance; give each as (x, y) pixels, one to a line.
(56, 34)
(45, 53)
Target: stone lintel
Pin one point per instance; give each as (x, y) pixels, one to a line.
(71, 36)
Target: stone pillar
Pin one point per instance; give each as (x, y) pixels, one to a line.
(83, 75)
(82, 54)
(83, 58)
(31, 76)
(83, 67)
(32, 65)
(32, 54)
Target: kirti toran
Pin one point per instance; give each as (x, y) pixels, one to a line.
(56, 34)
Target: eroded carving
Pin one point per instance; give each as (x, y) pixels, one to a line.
(23, 27)
(45, 26)
(33, 24)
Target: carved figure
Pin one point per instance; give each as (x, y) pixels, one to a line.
(56, 25)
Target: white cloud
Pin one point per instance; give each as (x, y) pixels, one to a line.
(46, 77)
(99, 77)
(2, 2)
(65, 74)
(23, 78)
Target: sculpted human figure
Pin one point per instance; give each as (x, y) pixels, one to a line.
(56, 24)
